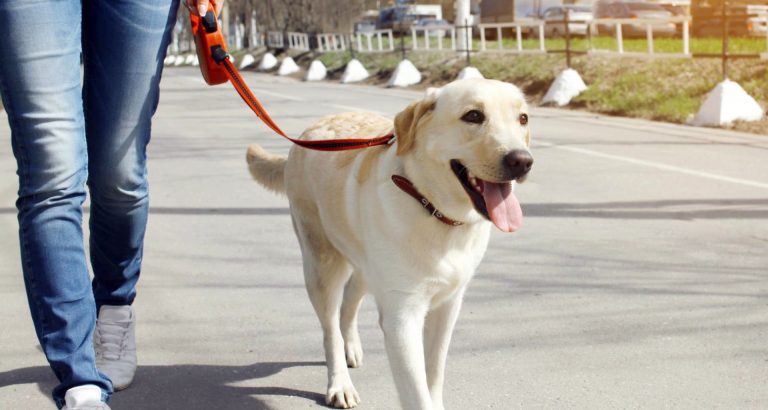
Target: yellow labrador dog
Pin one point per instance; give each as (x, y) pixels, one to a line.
(458, 153)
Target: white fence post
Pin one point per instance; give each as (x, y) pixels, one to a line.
(619, 39)
(649, 36)
(518, 47)
(368, 45)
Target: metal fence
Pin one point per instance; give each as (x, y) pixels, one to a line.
(376, 41)
(499, 29)
(332, 42)
(649, 25)
(433, 38)
(503, 37)
(489, 38)
(298, 41)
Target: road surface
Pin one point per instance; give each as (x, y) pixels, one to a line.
(639, 279)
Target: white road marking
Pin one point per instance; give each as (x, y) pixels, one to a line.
(278, 95)
(657, 165)
(299, 99)
(357, 109)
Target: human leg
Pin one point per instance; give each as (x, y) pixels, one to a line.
(40, 84)
(124, 45)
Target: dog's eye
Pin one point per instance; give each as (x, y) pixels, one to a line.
(474, 117)
(523, 119)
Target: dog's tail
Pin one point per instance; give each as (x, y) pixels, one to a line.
(267, 169)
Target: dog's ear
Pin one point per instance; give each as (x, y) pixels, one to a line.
(432, 93)
(407, 121)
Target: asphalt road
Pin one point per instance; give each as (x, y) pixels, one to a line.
(639, 279)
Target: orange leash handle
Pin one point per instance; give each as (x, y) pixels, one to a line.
(208, 38)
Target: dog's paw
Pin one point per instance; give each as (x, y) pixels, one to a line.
(342, 395)
(354, 351)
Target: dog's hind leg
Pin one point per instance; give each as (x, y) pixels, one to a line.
(353, 297)
(438, 329)
(325, 273)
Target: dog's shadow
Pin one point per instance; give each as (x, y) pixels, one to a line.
(177, 387)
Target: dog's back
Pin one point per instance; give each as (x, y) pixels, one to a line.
(269, 169)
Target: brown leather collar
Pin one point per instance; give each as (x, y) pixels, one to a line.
(407, 187)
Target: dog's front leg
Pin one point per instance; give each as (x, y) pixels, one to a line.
(401, 316)
(437, 336)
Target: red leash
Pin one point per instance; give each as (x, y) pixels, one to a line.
(217, 68)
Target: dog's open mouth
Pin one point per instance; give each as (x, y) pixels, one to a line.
(493, 200)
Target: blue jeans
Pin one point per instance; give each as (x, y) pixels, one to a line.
(66, 134)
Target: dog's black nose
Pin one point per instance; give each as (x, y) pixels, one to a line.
(519, 162)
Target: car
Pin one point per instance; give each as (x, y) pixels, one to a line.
(757, 26)
(433, 27)
(744, 19)
(678, 11)
(633, 10)
(365, 27)
(554, 17)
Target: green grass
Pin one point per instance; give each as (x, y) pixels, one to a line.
(665, 90)
(660, 45)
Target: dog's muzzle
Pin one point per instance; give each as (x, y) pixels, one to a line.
(517, 163)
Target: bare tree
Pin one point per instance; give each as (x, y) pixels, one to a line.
(302, 15)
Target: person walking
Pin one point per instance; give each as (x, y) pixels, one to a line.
(65, 134)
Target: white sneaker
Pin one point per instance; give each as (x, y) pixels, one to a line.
(114, 341)
(85, 397)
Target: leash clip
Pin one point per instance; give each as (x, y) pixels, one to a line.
(218, 54)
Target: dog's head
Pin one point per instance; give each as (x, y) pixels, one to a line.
(467, 144)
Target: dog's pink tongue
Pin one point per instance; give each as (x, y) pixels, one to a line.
(503, 206)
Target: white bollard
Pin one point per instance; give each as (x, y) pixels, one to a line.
(726, 103)
(567, 85)
(247, 61)
(316, 72)
(179, 60)
(404, 75)
(354, 72)
(189, 59)
(288, 66)
(268, 62)
(469, 72)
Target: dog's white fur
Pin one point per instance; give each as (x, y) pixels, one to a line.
(358, 232)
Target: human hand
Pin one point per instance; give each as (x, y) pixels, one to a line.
(200, 7)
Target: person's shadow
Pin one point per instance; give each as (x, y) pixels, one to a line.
(177, 387)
